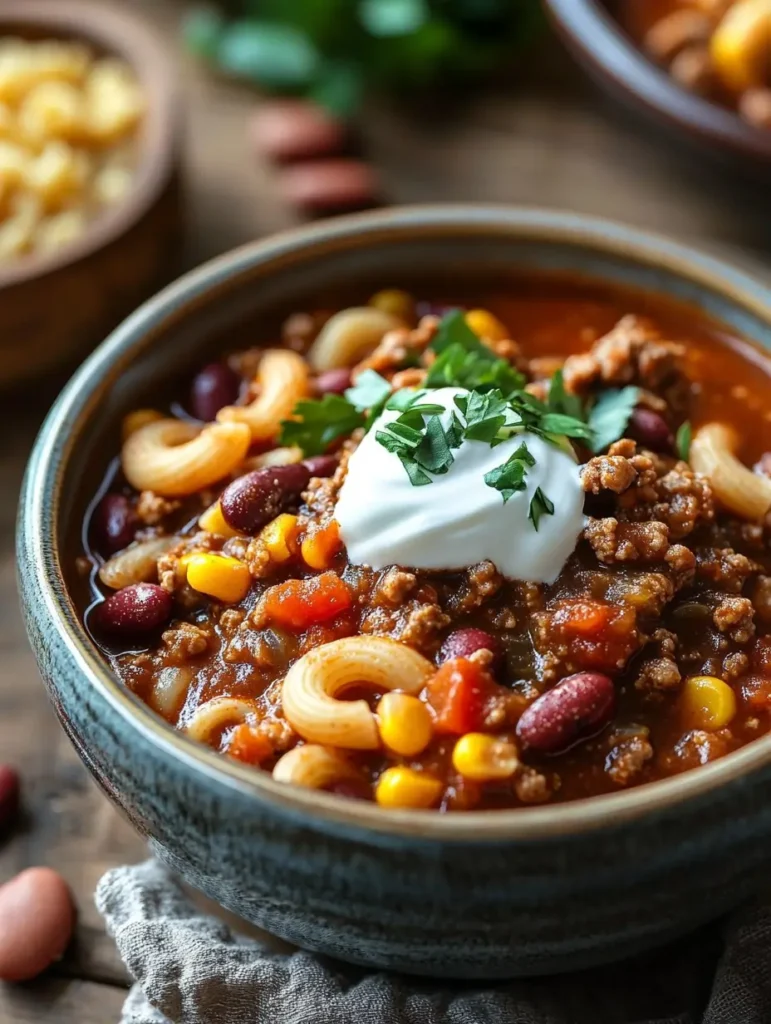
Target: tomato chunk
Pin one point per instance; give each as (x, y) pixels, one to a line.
(246, 744)
(597, 634)
(298, 604)
(457, 695)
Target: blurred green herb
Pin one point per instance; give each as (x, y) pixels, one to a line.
(334, 51)
(683, 440)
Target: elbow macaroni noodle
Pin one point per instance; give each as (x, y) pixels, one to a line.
(314, 683)
(350, 335)
(282, 378)
(217, 714)
(135, 564)
(737, 487)
(313, 766)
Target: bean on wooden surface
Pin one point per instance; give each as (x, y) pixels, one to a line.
(38, 917)
(295, 130)
(578, 705)
(9, 793)
(329, 184)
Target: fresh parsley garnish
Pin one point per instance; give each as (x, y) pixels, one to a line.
(460, 368)
(539, 506)
(683, 440)
(316, 423)
(369, 390)
(560, 400)
(509, 477)
(420, 441)
(453, 330)
(609, 416)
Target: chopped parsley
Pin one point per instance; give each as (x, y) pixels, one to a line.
(609, 416)
(683, 440)
(509, 477)
(316, 423)
(539, 506)
(420, 441)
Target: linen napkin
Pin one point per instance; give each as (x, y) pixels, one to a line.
(190, 968)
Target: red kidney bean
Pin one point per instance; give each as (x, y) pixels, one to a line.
(38, 918)
(253, 500)
(464, 642)
(295, 130)
(321, 465)
(329, 184)
(114, 523)
(579, 705)
(333, 382)
(214, 387)
(138, 608)
(9, 793)
(651, 429)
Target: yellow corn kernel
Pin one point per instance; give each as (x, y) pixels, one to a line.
(405, 724)
(138, 418)
(213, 521)
(395, 302)
(485, 325)
(319, 549)
(280, 537)
(483, 758)
(708, 702)
(404, 787)
(221, 577)
(741, 44)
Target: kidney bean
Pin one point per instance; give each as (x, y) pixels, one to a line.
(114, 523)
(214, 387)
(295, 130)
(577, 706)
(9, 793)
(464, 642)
(651, 429)
(253, 500)
(38, 918)
(321, 465)
(328, 184)
(138, 608)
(333, 382)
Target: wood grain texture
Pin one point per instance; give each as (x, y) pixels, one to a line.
(545, 140)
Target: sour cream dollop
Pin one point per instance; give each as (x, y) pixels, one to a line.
(458, 520)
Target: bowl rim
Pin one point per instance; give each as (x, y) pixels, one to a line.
(128, 36)
(39, 556)
(590, 28)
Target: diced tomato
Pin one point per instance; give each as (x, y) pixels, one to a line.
(756, 693)
(457, 695)
(597, 634)
(761, 655)
(298, 604)
(246, 744)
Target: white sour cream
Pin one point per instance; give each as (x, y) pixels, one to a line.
(458, 520)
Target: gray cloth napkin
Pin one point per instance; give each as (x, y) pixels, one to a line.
(191, 969)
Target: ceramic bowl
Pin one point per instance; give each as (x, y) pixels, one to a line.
(467, 895)
(595, 37)
(56, 307)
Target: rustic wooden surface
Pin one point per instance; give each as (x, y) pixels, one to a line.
(546, 140)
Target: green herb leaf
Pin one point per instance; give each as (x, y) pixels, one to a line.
(418, 476)
(272, 54)
(403, 399)
(370, 390)
(392, 17)
(683, 440)
(560, 400)
(456, 367)
(539, 506)
(509, 477)
(317, 423)
(560, 423)
(339, 88)
(202, 31)
(433, 454)
(453, 330)
(609, 416)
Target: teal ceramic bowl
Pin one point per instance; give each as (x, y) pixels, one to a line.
(474, 895)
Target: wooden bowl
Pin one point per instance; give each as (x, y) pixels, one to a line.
(597, 40)
(56, 307)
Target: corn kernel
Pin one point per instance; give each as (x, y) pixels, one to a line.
(213, 521)
(280, 537)
(138, 418)
(483, 758)
(319, 548)
(221, 577)
(395, 302)
(485, 325)
(404, 787)
(740, 44)
(708, 702)
(405, 723)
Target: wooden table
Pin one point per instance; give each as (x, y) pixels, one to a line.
(549, 141)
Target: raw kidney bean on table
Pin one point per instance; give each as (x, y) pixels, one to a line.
(214, 387)
(294, 129)
(465, 642)
(114, 523)
(253, 500)
(138, 608)
(576, 707)
(37, 917)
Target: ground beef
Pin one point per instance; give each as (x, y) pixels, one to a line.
(416, 623)
(725, 568)
(735, 665)
(761, 598)
(612, 541)
(279, 733)
(184, 641)
(151, 509)
(699, 747)
(627, 758)
(607, 473)
(735, 616)
(479, 583)
(505, 708)
(660, 670)
(321, 496)
(647, 592)
(171, 577)
(532, 787)
(399, 347)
